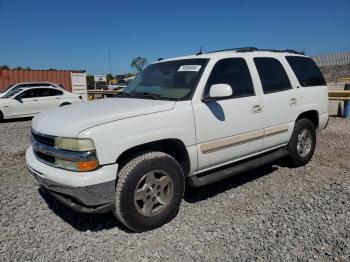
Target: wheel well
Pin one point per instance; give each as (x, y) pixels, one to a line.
(312, 115)
(65, 104)
(173, 147)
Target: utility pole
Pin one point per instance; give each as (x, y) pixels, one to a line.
(110, 63)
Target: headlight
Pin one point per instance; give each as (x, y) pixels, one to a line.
(74, 144)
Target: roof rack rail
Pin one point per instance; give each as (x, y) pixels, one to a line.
(252, 49)
(283, 51)
(248, 49)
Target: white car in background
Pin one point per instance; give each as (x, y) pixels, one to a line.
(30, 84)
(27, 102)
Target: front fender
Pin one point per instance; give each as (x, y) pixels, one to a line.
(114, 138)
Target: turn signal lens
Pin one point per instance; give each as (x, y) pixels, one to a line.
(77, 166)
(87, 166)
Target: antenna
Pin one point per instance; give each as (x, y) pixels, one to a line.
(109, 61)
(200, 51)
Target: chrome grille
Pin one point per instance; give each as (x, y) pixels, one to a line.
(44, 139)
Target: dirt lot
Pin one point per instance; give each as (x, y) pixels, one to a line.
(273, 213)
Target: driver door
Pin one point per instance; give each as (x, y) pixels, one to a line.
(26, 103)
(230, 128)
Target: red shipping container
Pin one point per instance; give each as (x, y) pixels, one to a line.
(63, 77)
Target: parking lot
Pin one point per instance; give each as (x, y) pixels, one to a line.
(273, 213)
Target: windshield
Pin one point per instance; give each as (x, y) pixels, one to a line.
(11, 93)
(7, 88)
(172, 80)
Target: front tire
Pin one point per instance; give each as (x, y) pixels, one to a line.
(149, 191)
(302, 143)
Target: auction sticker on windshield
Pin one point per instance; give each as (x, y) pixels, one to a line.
(189, 68)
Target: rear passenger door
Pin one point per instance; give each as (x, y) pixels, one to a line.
(280, 100)
(231, 128)
(50, 98)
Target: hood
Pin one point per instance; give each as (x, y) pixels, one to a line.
(69, 121)
(4, 100)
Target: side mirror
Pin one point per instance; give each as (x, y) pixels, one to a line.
(218, 91)
(19, 99)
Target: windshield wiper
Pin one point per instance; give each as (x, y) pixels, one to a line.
(144, 95)
(122, 94)
(150, 95)
(139, 95)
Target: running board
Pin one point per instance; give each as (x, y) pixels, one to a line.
(235, 169)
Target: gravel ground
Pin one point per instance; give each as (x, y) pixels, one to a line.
(273, 213)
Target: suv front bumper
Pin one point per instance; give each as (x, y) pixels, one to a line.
(91, 192)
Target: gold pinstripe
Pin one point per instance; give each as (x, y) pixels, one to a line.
(242, 138)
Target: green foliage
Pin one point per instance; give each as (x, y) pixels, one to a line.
(4, 67)
(130, 74)
(90, 79)
(109, 78)
(138, 63)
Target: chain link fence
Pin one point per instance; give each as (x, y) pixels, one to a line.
(335, 58)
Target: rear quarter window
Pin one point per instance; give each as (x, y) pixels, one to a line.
(306, 71)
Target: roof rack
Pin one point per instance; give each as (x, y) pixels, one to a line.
(248, 49)
(253, 49)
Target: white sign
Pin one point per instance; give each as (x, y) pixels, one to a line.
(79, 84)
(189, 68)
(100, 78)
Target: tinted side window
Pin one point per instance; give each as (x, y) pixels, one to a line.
(306, 71)
(49, 92)
(234, 72)
(272, 75)
(56, 92)
(45, 92)
(30, 93)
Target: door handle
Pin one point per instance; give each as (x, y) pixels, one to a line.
(35, 100)
(256, 109)
(293, 102)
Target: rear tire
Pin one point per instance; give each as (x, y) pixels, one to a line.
(149, 191)
(302, 143)
(1, 117)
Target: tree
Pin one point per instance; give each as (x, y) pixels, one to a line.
(138, 63)
(109, 78)
(18, 68)
(27, 68)
(4, 67)
(90, 79)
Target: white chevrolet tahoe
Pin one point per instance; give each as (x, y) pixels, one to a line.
(201, 118)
